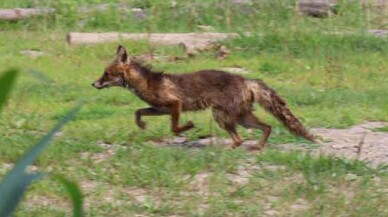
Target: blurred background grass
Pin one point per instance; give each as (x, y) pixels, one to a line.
(183, 16)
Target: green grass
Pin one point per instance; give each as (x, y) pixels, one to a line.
(381, 129)
(186, 15)
(328, 81)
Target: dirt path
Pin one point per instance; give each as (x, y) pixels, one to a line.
(361, 142)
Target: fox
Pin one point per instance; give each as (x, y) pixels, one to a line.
(229, 96)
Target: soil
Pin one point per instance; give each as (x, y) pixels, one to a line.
(363, 142)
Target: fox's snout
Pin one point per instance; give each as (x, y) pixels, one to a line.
(104, 82)
(99, 85)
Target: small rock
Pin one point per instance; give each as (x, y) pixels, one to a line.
(32, 53)
(272, 199)
(242, 2)
(351, 177)
(84, 155)
(32, 169)
(379, 32)
(174, 3)
(58, 134)
(275, 167)
(377, 180)
(20, 123)
(206, 141)
(271, 213)
(138, 14)
(235, 70)
(238, 180)
(300, 204)
(205, 28)
(179, 140)
(8, 165)
(223, 53)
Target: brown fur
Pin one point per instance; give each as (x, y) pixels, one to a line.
(229, 96)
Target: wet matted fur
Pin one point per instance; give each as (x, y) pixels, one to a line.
(229, 96)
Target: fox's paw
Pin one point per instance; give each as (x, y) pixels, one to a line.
(189, 125)
(230, 147)
(141, 124)
(255, 148)
(184, 128)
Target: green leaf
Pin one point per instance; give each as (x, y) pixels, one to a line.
(7, 79)
(16, 192)
(29, 157)
(17, 178)
(75, 194)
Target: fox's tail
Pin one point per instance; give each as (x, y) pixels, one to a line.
(274, 104)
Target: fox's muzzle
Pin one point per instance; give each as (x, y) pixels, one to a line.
(103, 82)
(99, 85)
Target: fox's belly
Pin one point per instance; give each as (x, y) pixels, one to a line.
(190, 104)
(227, 101)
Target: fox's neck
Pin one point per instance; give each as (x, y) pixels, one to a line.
(136, 81)
(141, 81)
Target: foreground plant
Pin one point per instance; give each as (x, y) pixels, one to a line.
(16, 181)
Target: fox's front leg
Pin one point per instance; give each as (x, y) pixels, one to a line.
(176, 109)
(147, 112)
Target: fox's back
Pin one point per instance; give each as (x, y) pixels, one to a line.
(206, 88)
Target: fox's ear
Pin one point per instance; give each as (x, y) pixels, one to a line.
(122, 55)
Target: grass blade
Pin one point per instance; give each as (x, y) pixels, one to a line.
(11, 196)
(29, 157)
(6, 82)
(75, 194)
(14, 180)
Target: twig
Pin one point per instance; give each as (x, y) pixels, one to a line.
(360, 145)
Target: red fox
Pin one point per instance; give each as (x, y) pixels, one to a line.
(229, 96)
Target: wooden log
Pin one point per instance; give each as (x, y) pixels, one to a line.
(316, 8)
(322, 8)
(137, 13)
(21, 13)
(378, 32)
(191, 39)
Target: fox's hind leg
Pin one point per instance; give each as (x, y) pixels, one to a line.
(228, 122)
(249, 120)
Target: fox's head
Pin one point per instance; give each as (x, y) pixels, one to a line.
(114, 74)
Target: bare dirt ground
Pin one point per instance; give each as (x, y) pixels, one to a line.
(363, 142)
